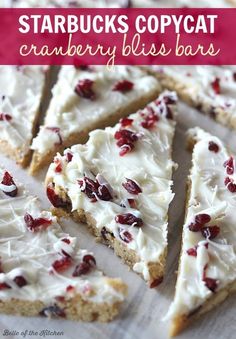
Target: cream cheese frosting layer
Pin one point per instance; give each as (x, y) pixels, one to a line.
(32, 254)
(147, 164)
(21, 90)
(208, 259)
(70, 112)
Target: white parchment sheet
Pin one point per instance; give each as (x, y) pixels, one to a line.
(142, 313)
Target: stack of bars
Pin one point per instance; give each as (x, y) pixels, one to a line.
(117, 180)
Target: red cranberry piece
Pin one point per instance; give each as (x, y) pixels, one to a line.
(195, 227)
(63, 264)
(129, 219)
(34, 224)
(213, 147)
(169, 114)
(52, 311)
(150, 119)
(210, 232)
(82, 268)
(84, 89)
(94, 190)
(89, 187)
(126, 134)
(89, 259)
(8, 181)
(104, 193)
(65, 240)
(20, 281)
(85, 267)
(126, 122)
(231, 186)
(211, 284)
(55, 200)
(69, 157)
(202, 218)
(126, 139)
(58, 132)
(5, 117)
(229, 165)
(127, 148)
(125, 236)
(4, 286)
(199, 221)
(70, 288)
(58, 168)
(216, 85)
(192, 252)
(132, 187)
(132, 203)
(123, 86)
(156, 282)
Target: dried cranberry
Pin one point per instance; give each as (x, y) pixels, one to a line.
(132, 187)
(210, 232)
(234, 76)
(231, 186)
(211, 284)
(150, 119)
(129, 219)
(229, 165)
(69, 157)
(202, 218)
(213, 147)
(192, 252)
(55, 200)
(156, 282)
(65, 240)
(103, 193)
(52, 311)
(70, 288)
(5, 117)
(89, 259)
(126, 140)
(85, 267)
(123, 86)
(126, 122)
(199, 221)
(62, 264)
(84, 89)
(34, 224)
(82, 268)
(8, 181)
(132, 203)
(125, 236)
(126, 134)
(94, 190)
(4, 286)
(20, 281)
(216, 85)
(58, 168)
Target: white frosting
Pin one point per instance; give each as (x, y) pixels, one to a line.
(197, 82)
(208, 195)
(31, 255)
(20, 95)
(149, 165)
(180, 3)
(72, 114)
